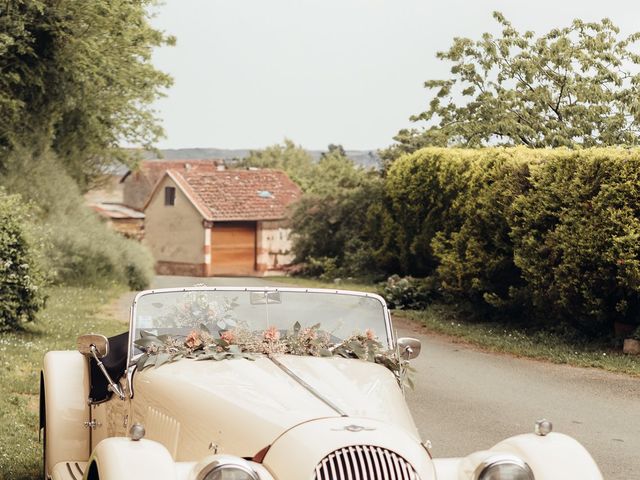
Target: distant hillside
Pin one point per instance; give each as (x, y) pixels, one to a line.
(359, 157)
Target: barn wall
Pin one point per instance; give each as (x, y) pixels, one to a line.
(274, 246)
(175, 234)
(136, 189)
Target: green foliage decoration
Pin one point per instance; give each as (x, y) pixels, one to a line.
(21, 282)
(239, 343)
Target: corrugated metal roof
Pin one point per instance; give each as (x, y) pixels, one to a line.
(116, 211)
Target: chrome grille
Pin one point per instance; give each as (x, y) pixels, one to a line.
(364, 462)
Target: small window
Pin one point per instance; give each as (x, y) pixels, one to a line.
(169, 196)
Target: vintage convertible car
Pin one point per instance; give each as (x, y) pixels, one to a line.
(260, 384)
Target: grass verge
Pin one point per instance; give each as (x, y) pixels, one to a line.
(70, 312)
(539, 345)
(315, 283)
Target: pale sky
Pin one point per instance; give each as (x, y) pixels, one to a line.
(249, 73)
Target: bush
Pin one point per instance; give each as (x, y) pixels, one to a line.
(332, 233)
(21, 282)
(576, 238)
(552, 234)
(408, 292)
(81, 249)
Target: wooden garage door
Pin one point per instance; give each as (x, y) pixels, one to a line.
(233, 248)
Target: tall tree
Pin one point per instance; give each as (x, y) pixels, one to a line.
(574, 86)
(77, 77)
(291, 158)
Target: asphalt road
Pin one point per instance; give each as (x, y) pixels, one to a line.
(467, 400)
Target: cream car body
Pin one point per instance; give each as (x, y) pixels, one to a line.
(277, 417)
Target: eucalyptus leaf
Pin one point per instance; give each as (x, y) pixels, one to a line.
(146, 342)
(146, 333)
(151, 360)
(161, 359)
(141, 360)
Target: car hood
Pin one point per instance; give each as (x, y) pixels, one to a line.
(240, 406)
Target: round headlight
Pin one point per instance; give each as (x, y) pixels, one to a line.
(230, 473)
(504, 467)
(227, 467)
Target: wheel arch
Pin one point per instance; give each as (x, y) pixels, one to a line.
(64, 391)
(118, 458)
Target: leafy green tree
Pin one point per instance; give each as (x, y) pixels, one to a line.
(333, 231)
(573, 86)
(291, 158)
(331, 222)
(77, 77)
(335, 173)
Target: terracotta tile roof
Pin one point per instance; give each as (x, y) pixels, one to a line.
(237, 194)
(154, 169)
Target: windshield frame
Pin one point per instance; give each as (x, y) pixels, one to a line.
(391, 341)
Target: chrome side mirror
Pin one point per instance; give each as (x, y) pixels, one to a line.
(97, 346)
(99, 342)
(409, 347)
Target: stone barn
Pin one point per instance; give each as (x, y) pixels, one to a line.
(205, 221)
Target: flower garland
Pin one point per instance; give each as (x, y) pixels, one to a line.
(200, 344)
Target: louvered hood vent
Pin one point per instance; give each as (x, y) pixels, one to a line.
(363, 462)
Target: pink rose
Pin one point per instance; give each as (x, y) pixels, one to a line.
(271, 334)
(309, 333)
(193, 340)
(228, 336)
(370, 334)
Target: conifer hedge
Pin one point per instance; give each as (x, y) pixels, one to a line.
(553, 233)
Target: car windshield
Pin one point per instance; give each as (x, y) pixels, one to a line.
(339, 315)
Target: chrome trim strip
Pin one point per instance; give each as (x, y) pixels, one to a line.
(376, 462)
(501, 459)
(79, 469)
(70, 471)
(364, 462)
(312, 390)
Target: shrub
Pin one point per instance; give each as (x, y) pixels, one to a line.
(21, 294)
(408, 292)
(549, 234)
(576, 236)
(332, 233)
(81, 249)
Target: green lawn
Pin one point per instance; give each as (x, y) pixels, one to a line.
(314, 283)
(69, 313)
(532, 344)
